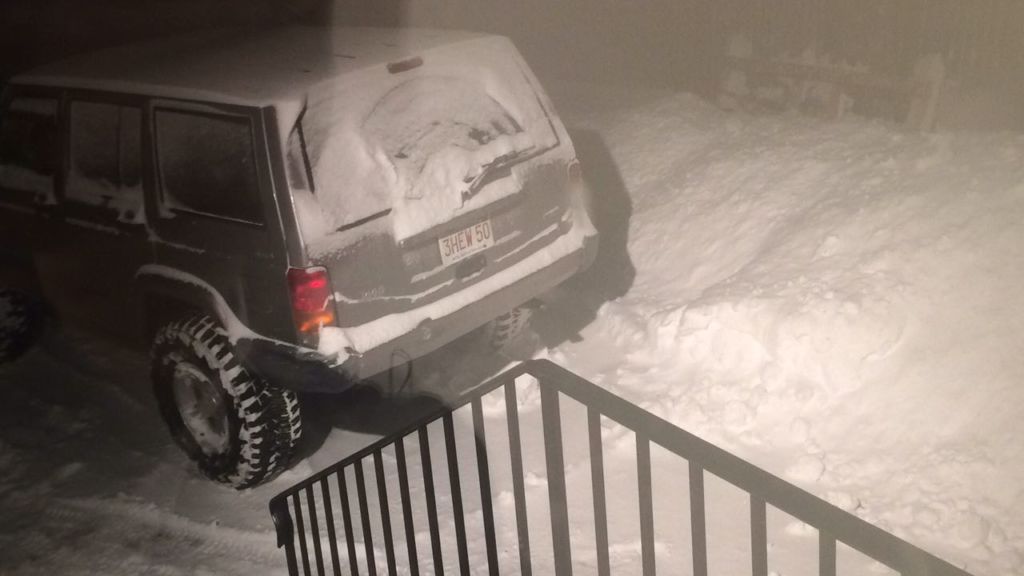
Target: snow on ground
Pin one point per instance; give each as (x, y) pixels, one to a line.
(836, 302)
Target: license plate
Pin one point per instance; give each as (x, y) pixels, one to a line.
(465, 242)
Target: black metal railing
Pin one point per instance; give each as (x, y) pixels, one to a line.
(305, 513)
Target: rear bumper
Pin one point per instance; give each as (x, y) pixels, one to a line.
(306, 370)
(433, 333)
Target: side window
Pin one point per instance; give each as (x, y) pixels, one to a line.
(207, 164)
(106, 158)
(29, 147)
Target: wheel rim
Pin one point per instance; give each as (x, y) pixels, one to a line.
(202, 408)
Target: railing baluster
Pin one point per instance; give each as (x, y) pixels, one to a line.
(314, 529)
(552, 418)
(285, 531)
(597, 483)
(297, 505)
(515, 449)
(428, 484)
(332, 537)
(346, 517)
(486, 505)
(826, 554)
(643, 471)
(456, 488)
(758, 536)
(698, 526)
(403, 487)
(385, 512)
(364, 514)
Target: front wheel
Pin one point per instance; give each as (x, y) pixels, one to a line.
(239, 429)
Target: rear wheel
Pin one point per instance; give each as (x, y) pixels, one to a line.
(239, 429)
(20, 323)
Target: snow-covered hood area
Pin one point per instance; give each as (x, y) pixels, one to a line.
(419, 141)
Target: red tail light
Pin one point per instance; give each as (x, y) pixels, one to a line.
(312, 301)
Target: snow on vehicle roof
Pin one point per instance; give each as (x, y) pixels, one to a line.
(253, 66)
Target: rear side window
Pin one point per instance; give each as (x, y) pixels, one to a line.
(207, 164)
(29, 146)
(106, 158)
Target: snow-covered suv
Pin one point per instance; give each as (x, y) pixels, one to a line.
(288, 210)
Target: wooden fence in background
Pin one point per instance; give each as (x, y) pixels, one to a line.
(981, 41)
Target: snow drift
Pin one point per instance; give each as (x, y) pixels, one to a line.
(839, 303)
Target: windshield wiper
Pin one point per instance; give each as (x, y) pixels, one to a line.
(496, 169)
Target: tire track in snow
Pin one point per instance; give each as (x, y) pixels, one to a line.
(214, 538)
(122, 537)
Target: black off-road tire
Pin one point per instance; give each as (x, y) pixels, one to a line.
(507, 328)
(21, 322)
(265, 422)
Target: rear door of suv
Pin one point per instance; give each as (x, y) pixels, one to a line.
(215, 215)
(89, 258)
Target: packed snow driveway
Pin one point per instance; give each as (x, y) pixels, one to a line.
(838, 303)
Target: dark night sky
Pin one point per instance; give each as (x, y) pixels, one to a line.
(677, 43)
(653, 41)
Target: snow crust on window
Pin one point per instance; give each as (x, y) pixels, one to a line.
(125, 201)
(106, 158)
(412, 142)
(208, 165)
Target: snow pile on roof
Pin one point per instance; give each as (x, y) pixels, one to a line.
(840, 303)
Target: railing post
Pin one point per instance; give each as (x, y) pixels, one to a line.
(285, 532)
(484, 474)
(758, 536)
(552, 418)
(826, 553)
(403, 488)
(698, 523)
(385, 513)
(428, 492)
(643, 473)
(598, 491)
(456, 491)
(515, 449)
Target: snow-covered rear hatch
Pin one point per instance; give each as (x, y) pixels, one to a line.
(422, 143)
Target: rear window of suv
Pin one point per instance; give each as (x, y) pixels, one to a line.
(207, 164)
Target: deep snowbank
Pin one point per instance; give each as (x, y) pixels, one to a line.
(838, 302)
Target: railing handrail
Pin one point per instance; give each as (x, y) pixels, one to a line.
(802, 505)
(834, 524)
